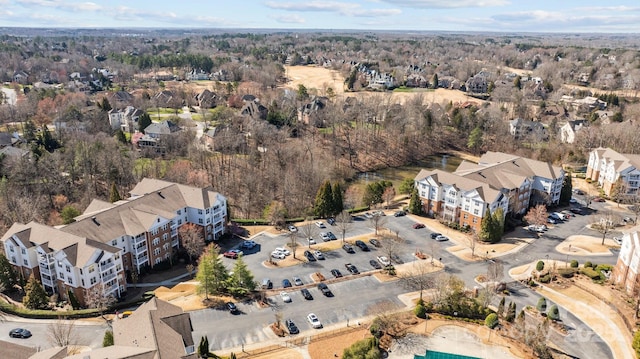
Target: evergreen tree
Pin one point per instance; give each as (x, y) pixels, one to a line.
(143, 122)
(486, 227)
(406, 187)
(29, 131)
(46, 140)
(121, 137)
(324, 200)
(511, 312)
(205, 275)
(500, 310)
(68, 214)
(567, 190)
(34, 295)
(114, 195)
(242, 279)
(554, 313)
(415, 203)
(520, 318)
(107, 341)
(105, 105)
(7, 274)
(338, 201)
(542, 305)
(497, 228)
(434, 81)
(475, 139)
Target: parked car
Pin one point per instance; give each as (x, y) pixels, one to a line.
(331, 221)
(309, 256)
(286, 283)
(418, 225)
(336, 273)
(368, 215)
(297, 281)
(348, 248)
(598, 199)
(249, 244)
(435, 235)
(351, 268)
(291, 326)
(375, 264)
(400, 214)
(282, 250)
(578, 191)
(20, 333)
(325, 237)
(362, 246)
(332, 236)
(314, 321)
(378, 213)
(573, 201)
(325, 290)
(579, 211)
(374, 242)
(285, 297)
(384, 260)
(267, 284)
(442, 238)
(233, 309)
(233, 253)
(551, 220)
(320, 224)
(311, 240)
(306, 294)
(618, 240)
(277, 255)
(319, 256)
(292, 228)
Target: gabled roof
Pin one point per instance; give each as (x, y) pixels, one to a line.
(623, 160)
(506, 163)
(162, 128)
(15, 351)
(486, 192)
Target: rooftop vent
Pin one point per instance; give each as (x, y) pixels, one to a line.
(95, 220)
(160, 194)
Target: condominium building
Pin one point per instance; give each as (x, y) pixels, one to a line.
(625, 273)
(607, 166)
(498, 180)
(110, 239)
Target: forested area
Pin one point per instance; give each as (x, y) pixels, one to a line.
(279, 163)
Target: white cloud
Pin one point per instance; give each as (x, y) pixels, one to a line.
(448, 4)
(342, 8)
(63, 5)
(289, 19)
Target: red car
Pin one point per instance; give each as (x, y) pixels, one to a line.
(233, 254)
(598, 199)
(418, 225)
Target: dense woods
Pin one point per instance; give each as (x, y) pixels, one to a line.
(277, 165)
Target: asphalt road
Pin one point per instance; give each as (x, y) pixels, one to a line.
(90, 335)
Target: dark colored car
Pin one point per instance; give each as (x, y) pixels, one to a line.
(20, 333)
(348, 248)
(286, 283)
(351, 268)
(418, 225)
(325, 290)
(374, 242)
(306, 294)
(435, 235)
(375, 264)
(332, 237)
(400, 214)
(336, 273)
(331, 221)
(362, 246)
(309, 256)
(291, 326)
(232, 307)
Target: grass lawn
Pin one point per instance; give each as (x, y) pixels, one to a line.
(163, 110)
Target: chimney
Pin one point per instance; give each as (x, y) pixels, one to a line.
(95, 220)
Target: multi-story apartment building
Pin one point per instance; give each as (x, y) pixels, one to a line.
(498, 180)
(110, 239)
(607, 166)
(627, 269)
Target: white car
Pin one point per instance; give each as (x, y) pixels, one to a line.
(325, 236)
(285, 297)
(441, 238)
(384, 260)
(320, 224)
(618, 240)
(318, 255)
(293, 228)
(311, 240)
(277, 255)
(314, 321)
(282, 250)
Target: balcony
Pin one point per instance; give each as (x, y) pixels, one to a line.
(174, 243)
(137, 241)
(106, 266)
(48, 282)
(140, 260)
(47, 269)
(108, 277)
(174, 232)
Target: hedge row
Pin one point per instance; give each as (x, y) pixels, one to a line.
(589, 272)
(47, 314)
(266, 222)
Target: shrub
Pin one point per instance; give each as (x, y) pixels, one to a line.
(540, 266)
(636, 343)
(545, 278)
(542, 305)
(420, 311)
(554, 313)
(491, 320)
(107, 341)
(603, 267)
(365, 348)
(589, 272)
(574, 264)
(588, 264)
(566, 272)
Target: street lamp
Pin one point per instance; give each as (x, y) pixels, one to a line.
(566, 264)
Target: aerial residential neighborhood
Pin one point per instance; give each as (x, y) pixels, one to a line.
(441, 181)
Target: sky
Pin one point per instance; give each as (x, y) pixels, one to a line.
(572, 16)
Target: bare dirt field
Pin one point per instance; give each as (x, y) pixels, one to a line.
(586, 246)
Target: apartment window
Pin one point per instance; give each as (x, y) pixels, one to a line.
(466, 208)
(11, 248)
(476, 211)
(80, 271)
(114, 242)
(70, 280)
(199, 211)
(68, 269)
(61, 275)
(208, 210)
(82, 280)
(208, 220)
(13, 259)
(23, 251)
(200, 220)
(158, 260)
(156, 241)
(118, 268)
(93, 280)
(179, 212)
(475, 220)
(165, 236)
(466, 216)
(25, 262)
(156, 251)
(91, 269)
(165, 246)
(179, 222)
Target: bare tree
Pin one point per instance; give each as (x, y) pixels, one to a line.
(60, 333)
(343, 221)
(605, 223)
(308, 230)
(378, 221)
(192, 240)
(293, 244)
(537, 215)
(98, 299)
(388, 195)
(472, 241)
(390, 247)
(417, 278)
